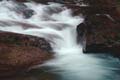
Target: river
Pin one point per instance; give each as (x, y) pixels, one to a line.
(57, 25)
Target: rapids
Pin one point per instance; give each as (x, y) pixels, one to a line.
(57, 25)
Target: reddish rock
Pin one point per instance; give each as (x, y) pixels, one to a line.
(100, 30)
(101, 3)
(20, 52)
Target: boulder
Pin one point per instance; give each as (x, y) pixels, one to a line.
(19, 52)
(100, 30)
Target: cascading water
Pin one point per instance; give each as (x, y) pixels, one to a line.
(55, 23)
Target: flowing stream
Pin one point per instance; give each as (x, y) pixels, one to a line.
(56, 24)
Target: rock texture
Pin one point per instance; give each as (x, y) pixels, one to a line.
(20, 52)
(100, 30)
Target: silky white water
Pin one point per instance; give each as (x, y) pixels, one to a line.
(55, 23)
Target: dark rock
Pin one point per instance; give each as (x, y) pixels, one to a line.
(100, 33)
(19, 52)
(101, 3)
(100, 30)
(28, 13)
(22, 9)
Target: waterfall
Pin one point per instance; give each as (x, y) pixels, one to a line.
(57, 25)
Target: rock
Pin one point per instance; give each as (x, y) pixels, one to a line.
(101, 3)
(28, 13)
(24, 10)
(103, 7)
(19, 52)
(92, 7)
(100, 30)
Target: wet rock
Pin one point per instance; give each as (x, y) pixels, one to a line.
(103, 7)
(23, 10)
(19, 52)
(100, 30)
(28, 13)
(92, 7)
(101, 3)
(100, 33)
